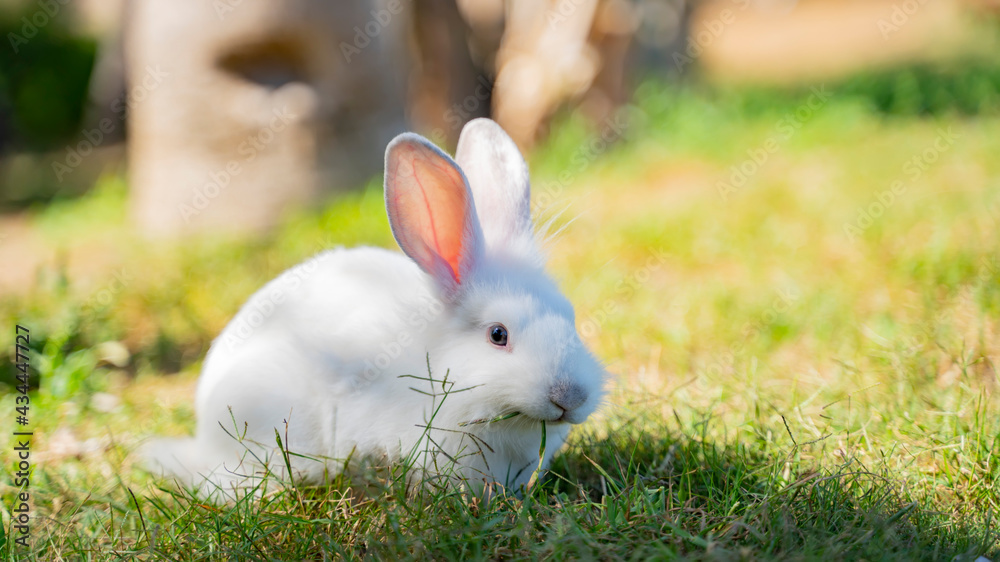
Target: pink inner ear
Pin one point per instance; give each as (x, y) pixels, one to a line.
(431, 203)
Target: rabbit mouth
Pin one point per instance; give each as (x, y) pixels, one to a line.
(499, 418)
(564, 417)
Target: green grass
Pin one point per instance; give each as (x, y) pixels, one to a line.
(785, 388)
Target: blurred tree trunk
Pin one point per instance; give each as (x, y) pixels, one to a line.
(448, 87)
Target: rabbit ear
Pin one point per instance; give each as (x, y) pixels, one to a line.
(430, 210)
(498, 177)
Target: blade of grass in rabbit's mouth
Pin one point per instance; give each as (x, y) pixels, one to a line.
(490, 420)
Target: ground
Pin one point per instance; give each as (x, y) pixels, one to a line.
(799, 301)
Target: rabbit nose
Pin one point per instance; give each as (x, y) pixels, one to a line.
(568, 396)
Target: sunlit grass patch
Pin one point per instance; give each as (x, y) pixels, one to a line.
(785, 387)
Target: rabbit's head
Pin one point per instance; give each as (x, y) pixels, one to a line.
(509, 334)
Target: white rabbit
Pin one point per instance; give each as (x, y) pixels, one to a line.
(336, 353)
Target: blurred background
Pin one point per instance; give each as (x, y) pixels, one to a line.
(779, 224)
(223, 115)
(161, 159)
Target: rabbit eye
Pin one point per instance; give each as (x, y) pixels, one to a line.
(497, 334)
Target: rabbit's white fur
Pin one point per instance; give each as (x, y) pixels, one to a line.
(334, 353)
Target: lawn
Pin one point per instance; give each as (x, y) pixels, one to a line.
(797, 292)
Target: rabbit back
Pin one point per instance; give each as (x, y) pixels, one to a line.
(313, 355)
